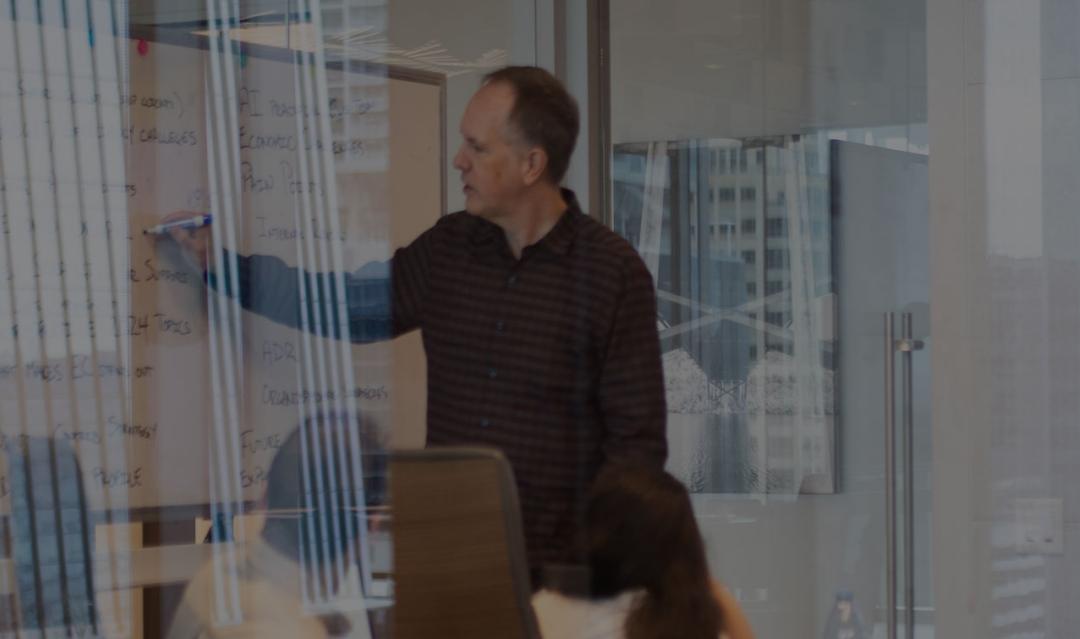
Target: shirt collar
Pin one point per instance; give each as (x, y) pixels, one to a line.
(559, 240)
(561, 236)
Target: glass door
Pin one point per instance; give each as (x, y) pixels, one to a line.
(782, 265)
(882, 245)
(784, 214)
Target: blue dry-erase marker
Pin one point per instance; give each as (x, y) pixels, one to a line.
(189, 223)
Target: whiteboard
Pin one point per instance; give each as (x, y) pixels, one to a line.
(170, 395)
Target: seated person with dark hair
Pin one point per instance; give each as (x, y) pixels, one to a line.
(648, 575)
(284, 583)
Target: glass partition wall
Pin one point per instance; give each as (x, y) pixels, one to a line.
(858, 216)
(869, 207)
(771, 167)
(741, 304)
(162, 448)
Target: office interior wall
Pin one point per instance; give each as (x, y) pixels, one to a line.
(1004, 86)
(737, 68)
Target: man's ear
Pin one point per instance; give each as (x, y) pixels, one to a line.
(535, 165)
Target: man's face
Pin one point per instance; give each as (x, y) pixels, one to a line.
(491, 159)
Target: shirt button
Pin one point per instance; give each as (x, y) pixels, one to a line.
(500, 326)
(510, 281)
(493, 373)
(485, 422)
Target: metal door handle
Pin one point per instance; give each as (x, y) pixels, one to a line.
(906, 345)
(890, 480)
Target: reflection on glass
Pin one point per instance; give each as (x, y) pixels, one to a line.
(295, 577)
(66, 370)
(130, 391)
(737, 235)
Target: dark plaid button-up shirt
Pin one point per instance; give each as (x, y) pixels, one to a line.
(553, 358)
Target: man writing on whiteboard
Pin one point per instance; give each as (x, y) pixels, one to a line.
(538, 323)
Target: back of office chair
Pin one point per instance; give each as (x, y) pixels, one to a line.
(459, 552)
(51, 537)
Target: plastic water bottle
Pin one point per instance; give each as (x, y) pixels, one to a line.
(844, 621)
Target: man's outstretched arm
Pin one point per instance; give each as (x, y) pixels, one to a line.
(381, 299)
(310, 301)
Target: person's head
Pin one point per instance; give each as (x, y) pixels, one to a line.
(314, 485)
(518, 133)
(844, 600)
(642, 535)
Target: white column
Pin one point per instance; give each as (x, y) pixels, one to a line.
(576, 77)
(957, 245)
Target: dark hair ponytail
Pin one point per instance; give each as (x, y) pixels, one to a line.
(642, 535)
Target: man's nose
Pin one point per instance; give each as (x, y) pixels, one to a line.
(459, 160)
